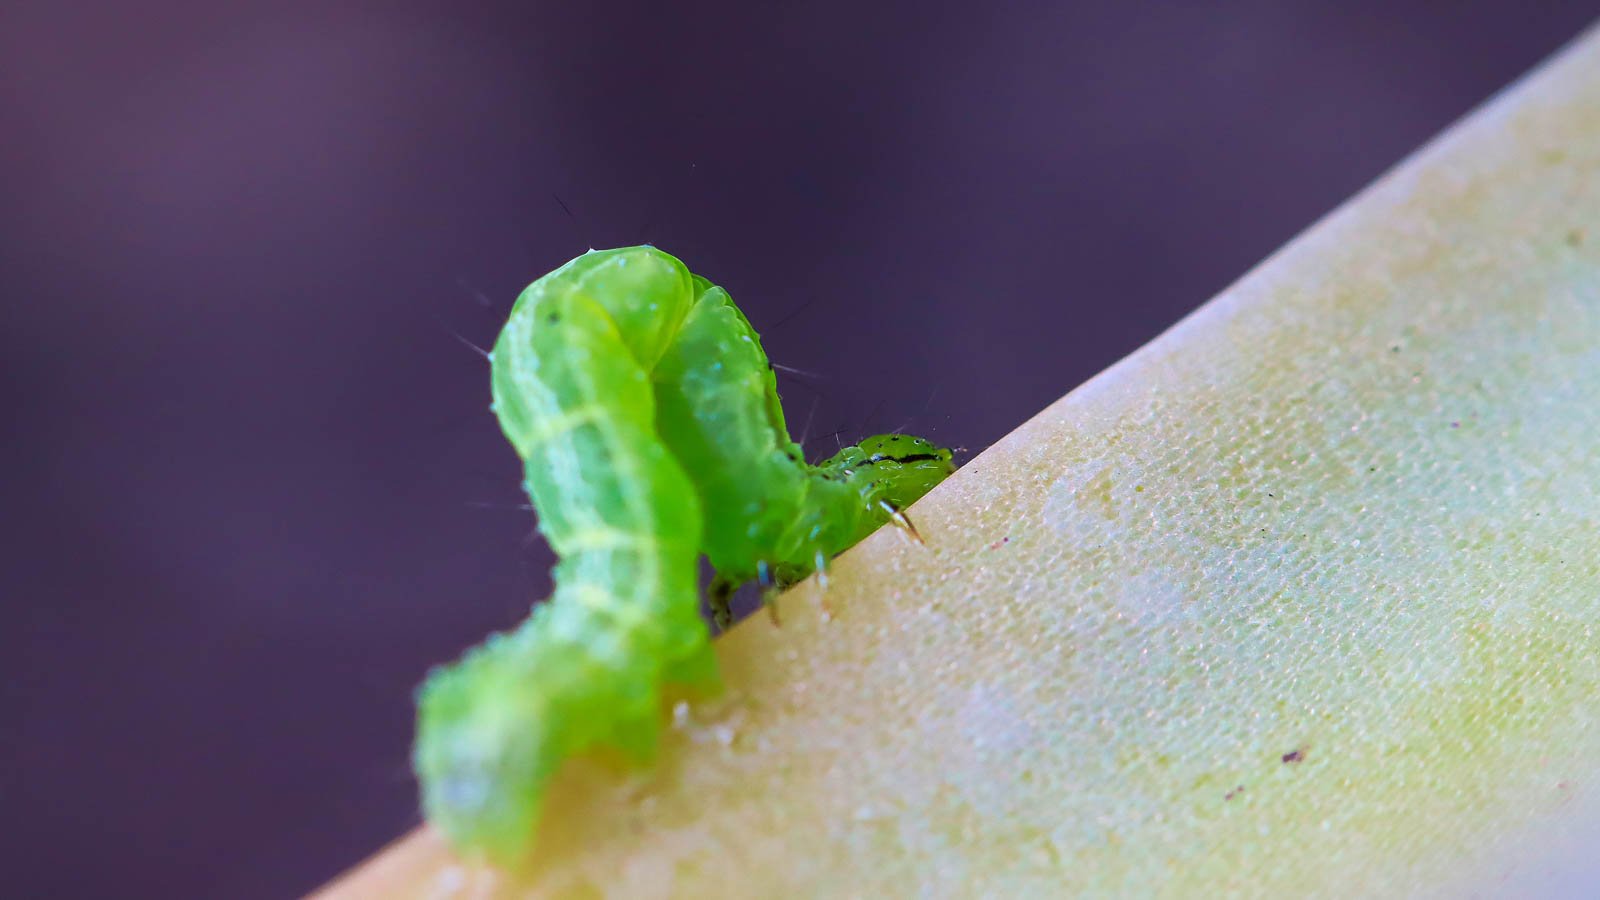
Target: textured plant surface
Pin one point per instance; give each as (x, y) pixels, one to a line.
(1300, 598)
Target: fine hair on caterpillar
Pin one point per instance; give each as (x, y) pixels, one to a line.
(648, 421)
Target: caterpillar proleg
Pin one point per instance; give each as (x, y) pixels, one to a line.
(651, 433)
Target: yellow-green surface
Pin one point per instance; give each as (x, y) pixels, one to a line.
(1300, 598)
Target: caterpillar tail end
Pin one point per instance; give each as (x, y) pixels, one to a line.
(484, 754)
(494, 728)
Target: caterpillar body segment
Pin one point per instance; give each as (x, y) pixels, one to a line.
(722, 418)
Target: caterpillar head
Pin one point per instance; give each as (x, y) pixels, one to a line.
(900, 467)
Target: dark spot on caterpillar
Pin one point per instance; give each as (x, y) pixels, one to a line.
(908, 458)
(1294, 756)
(553, 318)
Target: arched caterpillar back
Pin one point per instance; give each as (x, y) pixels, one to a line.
(648, 421)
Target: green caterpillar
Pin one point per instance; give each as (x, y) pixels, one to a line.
(648, 420)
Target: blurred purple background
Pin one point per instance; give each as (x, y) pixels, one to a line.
(252, 487)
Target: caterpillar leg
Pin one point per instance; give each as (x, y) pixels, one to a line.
(899, 518)
(770, 589)
(820, 561)
(721, 590)
(720, 596)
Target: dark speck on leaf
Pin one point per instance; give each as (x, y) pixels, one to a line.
(1294, 756)
(1234, 793)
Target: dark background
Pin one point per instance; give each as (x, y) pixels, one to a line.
(252, 489)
